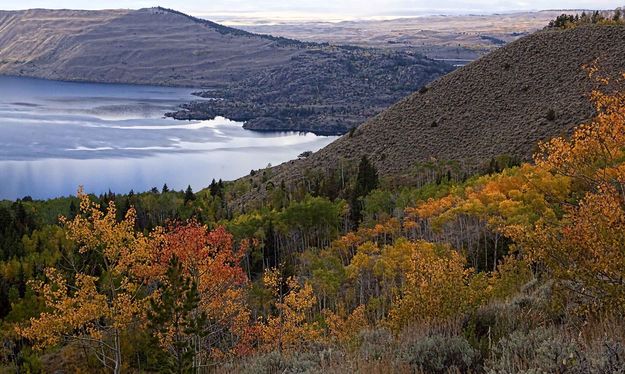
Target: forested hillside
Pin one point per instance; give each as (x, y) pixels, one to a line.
(515, 269)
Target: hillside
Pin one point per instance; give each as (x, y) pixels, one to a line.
(147, 46)
(502, 104)
(337, 268)
(273, 83)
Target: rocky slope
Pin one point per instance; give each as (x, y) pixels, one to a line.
(504, 103)
(273, 83)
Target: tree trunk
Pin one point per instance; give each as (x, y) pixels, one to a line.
(117, 368)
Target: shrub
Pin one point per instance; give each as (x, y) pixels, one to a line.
(439, 354)
(375, 343)
(275, 363)
(542, 350)
(609, 359)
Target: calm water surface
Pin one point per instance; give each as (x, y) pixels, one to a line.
(55, 136)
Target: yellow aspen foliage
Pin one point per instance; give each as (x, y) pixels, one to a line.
(345, 330)
(585, 250)
(94, 309)
(511, 275)
(68, 312)
(288, 329)
(437, 287)
(594, 153)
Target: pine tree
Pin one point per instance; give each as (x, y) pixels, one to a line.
(213, 188)
(174, 320)
(189, 195)
(165, 188)
(73, 210)
(366, 181)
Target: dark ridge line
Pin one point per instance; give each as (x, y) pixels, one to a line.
(225, 30)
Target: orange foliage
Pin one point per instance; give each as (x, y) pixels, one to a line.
(210, 260)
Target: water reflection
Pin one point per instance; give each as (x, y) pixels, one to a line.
(58, 135)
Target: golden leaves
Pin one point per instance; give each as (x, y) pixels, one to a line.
(437, 285)
(86, 306)
(289, 329)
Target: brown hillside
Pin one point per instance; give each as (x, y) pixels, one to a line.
(149, 46)
(498, 105)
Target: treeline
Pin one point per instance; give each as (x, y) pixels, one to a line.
(567, 21)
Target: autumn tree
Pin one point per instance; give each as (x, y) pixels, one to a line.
(203, 312)
(438, 286)
(95, 307)
(585, 249)
(290, 327)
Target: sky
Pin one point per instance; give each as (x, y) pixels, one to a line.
(316, 9)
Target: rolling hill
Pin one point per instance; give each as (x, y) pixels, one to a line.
(502, 104)
(146, 46)
(458, 38)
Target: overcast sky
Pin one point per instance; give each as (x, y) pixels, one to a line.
(317, 8)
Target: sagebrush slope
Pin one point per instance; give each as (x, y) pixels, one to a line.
(503, 104)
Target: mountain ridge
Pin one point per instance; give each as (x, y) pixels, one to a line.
(129, 46)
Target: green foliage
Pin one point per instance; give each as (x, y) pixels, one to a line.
(366, 181)
(378, 206)
(174, 319)
(567, 21)
(188, 195)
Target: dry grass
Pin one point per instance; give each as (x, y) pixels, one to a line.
(441, 37)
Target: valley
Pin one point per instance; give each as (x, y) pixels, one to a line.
(457, 39)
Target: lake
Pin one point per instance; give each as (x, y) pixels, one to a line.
(55, 136)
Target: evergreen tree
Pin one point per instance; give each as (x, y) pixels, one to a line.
(165, 188)
(73, 209)
(213, 188)
(177, 310)
(366, 181)
(189, 195)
